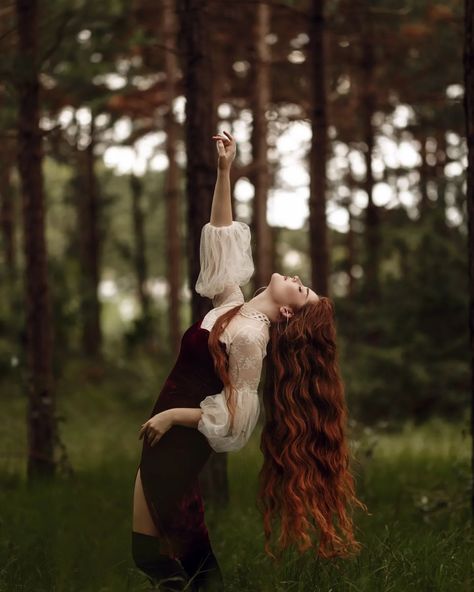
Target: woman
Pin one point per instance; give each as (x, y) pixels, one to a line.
(209, 402)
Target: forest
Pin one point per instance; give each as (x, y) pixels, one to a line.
(354, 125)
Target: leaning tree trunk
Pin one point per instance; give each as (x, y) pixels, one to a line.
(41, 399)
(469, 111)
(201, 170)
(173, 218)
(318, 156)
(261, 99)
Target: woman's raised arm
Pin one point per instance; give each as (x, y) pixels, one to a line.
(225, 252)
(221, 210)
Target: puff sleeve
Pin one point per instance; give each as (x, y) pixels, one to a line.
(246, 353)
(225, 255)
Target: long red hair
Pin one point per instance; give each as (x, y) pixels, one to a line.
(305, 481)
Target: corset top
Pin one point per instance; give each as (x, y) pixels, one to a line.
(193, 375)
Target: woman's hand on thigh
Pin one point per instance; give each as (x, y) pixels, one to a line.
(156, 427)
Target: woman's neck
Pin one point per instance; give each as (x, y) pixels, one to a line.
(262, 303)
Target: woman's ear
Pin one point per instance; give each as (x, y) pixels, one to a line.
(286, 311)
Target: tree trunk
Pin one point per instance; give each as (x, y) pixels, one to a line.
(173, 218)
(41, 399)
(367, 106)
(351, 233)
(469, 112)
(7, 212)
(350, 253)
(89, 240)
(318, 156)
(141, 269)
(260, 177)
(441, 225)
(201, 170)
(8, 215)
(423, 171)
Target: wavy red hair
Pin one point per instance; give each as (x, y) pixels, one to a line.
(305, 480)
(221, 361)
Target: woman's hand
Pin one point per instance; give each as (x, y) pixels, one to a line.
(226, 149)
(156, 426)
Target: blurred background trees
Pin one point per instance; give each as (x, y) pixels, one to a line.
(350, 171)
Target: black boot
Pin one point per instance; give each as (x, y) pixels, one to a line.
(160, 569)
(203, 570)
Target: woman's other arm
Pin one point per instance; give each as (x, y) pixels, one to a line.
(185, 416)
(221, 210)
(160, 423)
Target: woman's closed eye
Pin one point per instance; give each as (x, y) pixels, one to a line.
(307, 292)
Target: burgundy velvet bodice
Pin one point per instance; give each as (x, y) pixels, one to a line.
(193, 376)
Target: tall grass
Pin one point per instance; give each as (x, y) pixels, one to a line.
(74, 533)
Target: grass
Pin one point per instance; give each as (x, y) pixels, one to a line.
(74, 534)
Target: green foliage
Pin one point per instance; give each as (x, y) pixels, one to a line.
(74, 534)
(407, 356)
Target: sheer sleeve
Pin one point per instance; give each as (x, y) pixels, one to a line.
(225, 260)
(246, 353)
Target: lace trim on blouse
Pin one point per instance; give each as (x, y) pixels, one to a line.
(248, 311)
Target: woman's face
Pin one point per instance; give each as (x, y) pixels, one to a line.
(290, 291)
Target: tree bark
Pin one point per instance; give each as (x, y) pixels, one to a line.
(368, 106)
(441, 183)
(423, 170)
(7, 212)
(351, 256)
(173, 217)
(469, 113)
(141, 268)
(201, 167)
(41, 399)
(201, 157)
(317, 200)
(260, 100)
(89, 240)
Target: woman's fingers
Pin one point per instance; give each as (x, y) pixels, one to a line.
(142, 430)
(220, 149)
(225, 141)
(149, 433)
(155, 439)
(226, 149)
(228, 139)
(153, 436)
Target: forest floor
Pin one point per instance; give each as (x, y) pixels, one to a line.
(74, 534)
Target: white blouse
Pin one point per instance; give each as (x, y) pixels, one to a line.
(226, 263)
